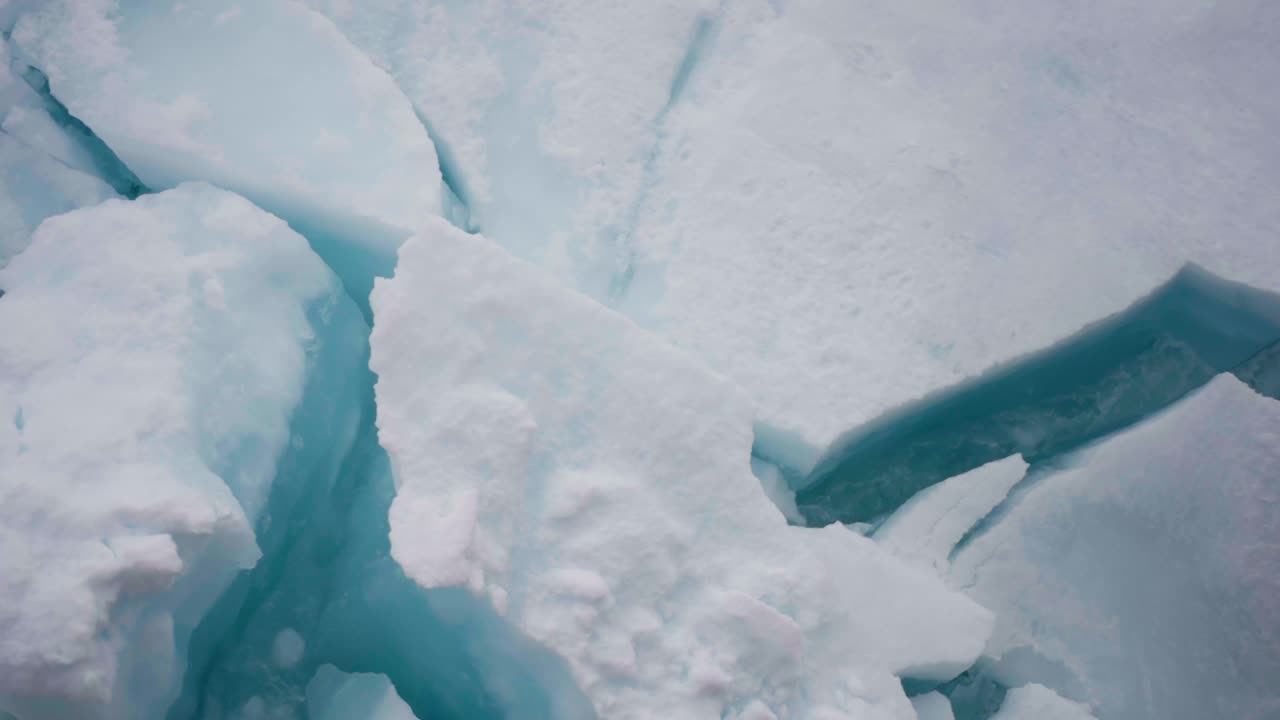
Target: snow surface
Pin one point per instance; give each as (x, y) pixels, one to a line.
(846, 206)
(910, 193)
(151, 353)
(929, 526)
(1037, 702)
(595, 485)
(1143, 578)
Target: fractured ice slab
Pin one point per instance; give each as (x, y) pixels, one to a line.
(151, 356)
(546, 113)
(594, 484)
(932, 706)
(860, 203)
(928, 527)
(43, 170)
(1142, 578)
(266, 98)
(335, 695)
(1106, 378)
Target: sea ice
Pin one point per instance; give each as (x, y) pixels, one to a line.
(151, 355)
(43, 171)
(1141, 577)
(266, 98)
(594, 484)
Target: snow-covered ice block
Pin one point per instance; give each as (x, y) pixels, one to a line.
(931, 524)
(266, 98)
(1143, 577)
(858, 203)
(151, 355)
(595, 484)
(43, 171)
(932, 706)
(1037, 702)
(546, 113)
(335, 695)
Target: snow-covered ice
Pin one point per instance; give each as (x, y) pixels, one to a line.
(43, 171)
(594, 484)
(1143, 577)
(151, 355)
(931, 524)
(267, 98)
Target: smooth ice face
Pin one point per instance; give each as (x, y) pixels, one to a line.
(594, 484)
(266, 98)
(1142, 577)
(151, 355)
(932, 706)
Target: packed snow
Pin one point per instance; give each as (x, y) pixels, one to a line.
(594, 484)
(151, 355)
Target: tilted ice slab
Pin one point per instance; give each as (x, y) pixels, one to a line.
(546, 113)
(857, 204)
(927, 528)
(1143, 577)
(151, 355)
(266, 98)
(43, 171)
(595, 485)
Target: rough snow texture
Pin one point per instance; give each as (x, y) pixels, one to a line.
(844, 206)
(595, 485)
(151, 353)
(42, 171)
(927, 528)
(1143, 578)
(910, 193)
(266, 97)
(1037, 702)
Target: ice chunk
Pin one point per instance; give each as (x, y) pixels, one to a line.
(1142, 577)
(546, 114)
(151, 355)
(1037, 702)
(295, 118)
(858, 204)
(43, 171)
(931, 524)
(932, 706)
(335, 695)
(594, 483)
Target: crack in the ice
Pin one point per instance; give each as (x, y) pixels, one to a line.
(459, 208)
(1109, 376)
(701, 37)
(110, 168)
